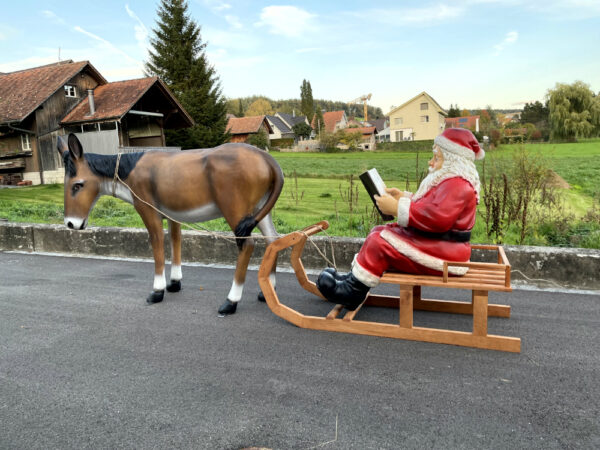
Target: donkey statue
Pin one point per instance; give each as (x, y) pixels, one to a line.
(236, 181)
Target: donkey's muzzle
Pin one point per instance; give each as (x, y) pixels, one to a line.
(75, 224)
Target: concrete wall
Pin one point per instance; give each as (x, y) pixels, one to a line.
(567, 268)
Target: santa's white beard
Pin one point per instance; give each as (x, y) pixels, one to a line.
(453, 166)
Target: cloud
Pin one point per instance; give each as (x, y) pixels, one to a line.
(108, 46)
(510, 38)
(287, 21)
(411, 16)
(52, 16)
(234, 21)
(141, 32)
(217, 5)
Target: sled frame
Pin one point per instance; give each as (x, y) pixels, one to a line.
(480, 279)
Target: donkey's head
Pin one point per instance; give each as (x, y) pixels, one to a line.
(82, 186)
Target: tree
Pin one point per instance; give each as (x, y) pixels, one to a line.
(319, 121)
(535, 113)
(328, 140)
(260, 139)
(260, 107)
(574, 111)
(240, 112)
(301, 129)
(454, 111)
(307, 104)
(178, 57)
(351, 138)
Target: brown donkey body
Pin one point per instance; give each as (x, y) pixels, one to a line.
(236, 181)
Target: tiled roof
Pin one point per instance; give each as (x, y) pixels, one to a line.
(23, 91)
(378, 123)
(112, 100)
(331, 118)
(245, 125)
(363, 130)
(462, 122)
(280, 124)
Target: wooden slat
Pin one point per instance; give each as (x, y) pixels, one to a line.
(334, 312)
(406, 306)
(480, 313)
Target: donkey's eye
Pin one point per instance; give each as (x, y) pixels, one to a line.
(75, 188)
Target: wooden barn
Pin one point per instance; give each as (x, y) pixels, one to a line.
(39, 104)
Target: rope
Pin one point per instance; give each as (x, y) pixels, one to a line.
(204, 231)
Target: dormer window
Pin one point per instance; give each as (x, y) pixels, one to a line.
(25, 142)
(70, 90)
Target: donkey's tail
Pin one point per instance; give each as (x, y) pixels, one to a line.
(248, 223)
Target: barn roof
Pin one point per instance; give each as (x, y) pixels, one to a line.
(246, 125)
(23, 91)
(114, 100)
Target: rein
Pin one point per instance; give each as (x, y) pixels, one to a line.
(197, 228)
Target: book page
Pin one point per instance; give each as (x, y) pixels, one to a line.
(377, 181)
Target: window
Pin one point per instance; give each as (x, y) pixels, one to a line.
(398, 121)
(424, 118)
(25, 142)
(424, 106)
(399, 136)
(70, 90)
(104, 126)
(462, 120)
(90, 127)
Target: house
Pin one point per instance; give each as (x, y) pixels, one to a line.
(291, 119)
(241, 128)
(280, 130)
(39, 104)
(334, 120)
(368, 136)
(420, 118)
(468, 122)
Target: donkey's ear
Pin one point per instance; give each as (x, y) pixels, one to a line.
(75, 147)
(61, 145)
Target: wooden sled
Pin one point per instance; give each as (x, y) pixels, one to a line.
(480, 279)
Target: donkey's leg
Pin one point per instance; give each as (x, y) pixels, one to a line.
(176, 276)
(153, 223)
(237, 287)
(267, 228)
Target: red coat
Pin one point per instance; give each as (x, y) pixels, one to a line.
(426, 234)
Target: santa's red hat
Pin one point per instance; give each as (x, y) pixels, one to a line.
(460, 141)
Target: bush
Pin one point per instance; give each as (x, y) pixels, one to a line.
(536, 135)
(260, 140)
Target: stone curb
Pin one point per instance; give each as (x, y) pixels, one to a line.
(569, 268)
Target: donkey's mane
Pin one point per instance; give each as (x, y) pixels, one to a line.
(104, 165)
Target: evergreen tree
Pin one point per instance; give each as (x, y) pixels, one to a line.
(240, 112)
(454, 111)
(319, 122)
(178, 58)
(307, 104)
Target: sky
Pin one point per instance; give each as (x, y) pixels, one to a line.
(474, 53)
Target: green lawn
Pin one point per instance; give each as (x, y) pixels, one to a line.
(317, 187)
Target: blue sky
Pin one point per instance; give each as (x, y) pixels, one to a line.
(471, 52)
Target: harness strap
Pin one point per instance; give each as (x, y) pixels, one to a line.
(116, 176)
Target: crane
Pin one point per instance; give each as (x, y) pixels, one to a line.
(362, 99)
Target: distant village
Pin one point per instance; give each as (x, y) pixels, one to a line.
(41, 103)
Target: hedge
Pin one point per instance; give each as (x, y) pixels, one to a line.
(406, 146)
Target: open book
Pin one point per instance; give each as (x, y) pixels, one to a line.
(374, 186)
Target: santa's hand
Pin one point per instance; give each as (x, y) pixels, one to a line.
(394, 192)
(387, 204)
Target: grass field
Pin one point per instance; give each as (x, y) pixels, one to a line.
(318, 187)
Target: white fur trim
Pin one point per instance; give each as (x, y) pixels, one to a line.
(452, 147)
(416, 255)
(363, 275)
(403, 211)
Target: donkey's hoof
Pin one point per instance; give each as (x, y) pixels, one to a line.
(227, 308)
(174, 286)
(155, 297)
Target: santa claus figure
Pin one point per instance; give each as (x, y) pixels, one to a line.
(434, 224)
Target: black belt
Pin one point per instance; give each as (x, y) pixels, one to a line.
(451, 235)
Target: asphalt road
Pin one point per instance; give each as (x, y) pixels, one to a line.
(85, 363)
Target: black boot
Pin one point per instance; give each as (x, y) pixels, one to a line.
(338, 276)
(348, 292)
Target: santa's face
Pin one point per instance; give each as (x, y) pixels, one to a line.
(436, 162)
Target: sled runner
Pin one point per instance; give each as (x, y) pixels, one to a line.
(480, 279)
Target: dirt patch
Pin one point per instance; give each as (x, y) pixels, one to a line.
(555, 180)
